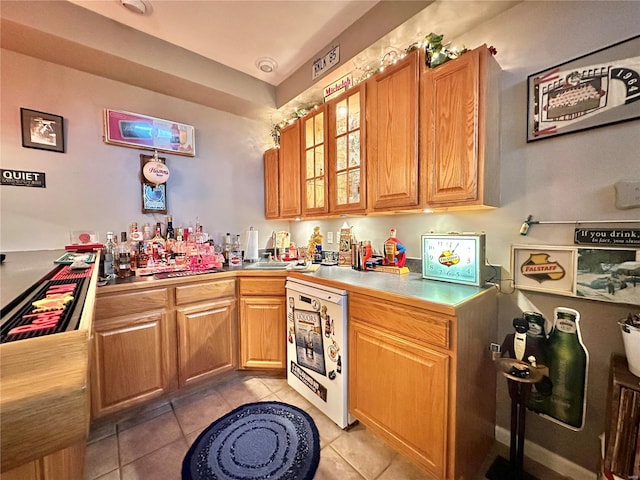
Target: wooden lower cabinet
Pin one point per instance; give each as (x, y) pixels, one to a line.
(262, 323)
(401, 388)
(149, 342)
(133, 361)
(64, 464)
(421, 378)
(206, 340)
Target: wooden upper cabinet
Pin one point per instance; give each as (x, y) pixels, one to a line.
(346, 140)
(459, 138)
(289, 171)
(392, 136)
(271, 169)
(315, 188)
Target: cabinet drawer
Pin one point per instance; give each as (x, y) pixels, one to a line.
(133, 302)
(205, 291)
(421, 325)
(262, 286)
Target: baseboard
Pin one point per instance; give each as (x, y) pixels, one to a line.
(547, 458)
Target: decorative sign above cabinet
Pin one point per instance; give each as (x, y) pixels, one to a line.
(326, 62)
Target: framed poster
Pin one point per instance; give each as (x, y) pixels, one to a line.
(609, 274)
(596, 89)
(44, 131)
(544, 268)
(141, 131)
(308, 339)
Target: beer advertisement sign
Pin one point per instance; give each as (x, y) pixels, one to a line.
(546, 269)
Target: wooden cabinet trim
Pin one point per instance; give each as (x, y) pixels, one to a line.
(262, 286)
(205, 291)
(419, 325)
(128, 303)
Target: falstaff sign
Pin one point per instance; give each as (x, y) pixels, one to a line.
(607, 236)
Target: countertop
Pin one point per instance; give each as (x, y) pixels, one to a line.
(407, 287)
(21, 270)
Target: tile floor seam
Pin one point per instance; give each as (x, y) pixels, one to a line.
(348, 462)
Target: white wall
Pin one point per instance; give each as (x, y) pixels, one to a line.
(96, 186)
(570, 177)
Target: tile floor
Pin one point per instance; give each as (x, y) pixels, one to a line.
(151, 446)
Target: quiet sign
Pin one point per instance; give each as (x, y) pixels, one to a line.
(21, 178)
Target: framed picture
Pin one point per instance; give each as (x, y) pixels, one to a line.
(43, 131)
(597, 89)
(609, 274)
(154, 196)
(544, 268)
(141, 131)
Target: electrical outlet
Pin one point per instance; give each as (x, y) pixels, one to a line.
(627, 195)
(329, 237)
(495, 351)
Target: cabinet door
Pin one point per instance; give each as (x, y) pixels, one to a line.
(399, 390)
(314, 163)
(347, 187)
(392, 136)
(289, 171)
(206, 340)
(460, 132)
(133, 361)
(271, 168)
(262, 332)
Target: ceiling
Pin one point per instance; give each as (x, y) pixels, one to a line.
(238, 33)
(205, 51)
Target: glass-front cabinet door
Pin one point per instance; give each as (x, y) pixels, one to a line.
(314, 163)
(347, 152)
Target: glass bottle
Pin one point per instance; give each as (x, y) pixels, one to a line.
(170, 236)
(226, 248)
(179, 248)
(143, 258)
(568, 361)
(124, 257)
(109, 253)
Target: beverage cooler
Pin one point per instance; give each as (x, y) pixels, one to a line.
(317, 347)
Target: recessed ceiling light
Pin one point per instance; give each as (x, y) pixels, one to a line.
(139, 7)
(266, 64)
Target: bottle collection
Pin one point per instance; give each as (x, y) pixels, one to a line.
(145, 251)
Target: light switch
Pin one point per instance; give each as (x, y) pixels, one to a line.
(627, 195)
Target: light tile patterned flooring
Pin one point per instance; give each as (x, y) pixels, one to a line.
(151, 445)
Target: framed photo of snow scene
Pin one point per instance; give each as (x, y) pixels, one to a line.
(596, 89)
(609, 274)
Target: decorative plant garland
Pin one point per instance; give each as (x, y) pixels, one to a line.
(436, 54)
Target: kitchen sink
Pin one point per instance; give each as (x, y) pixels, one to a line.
(267, 266)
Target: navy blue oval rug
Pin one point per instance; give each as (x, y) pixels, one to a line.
(263, 440)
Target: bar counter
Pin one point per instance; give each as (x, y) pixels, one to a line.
(44, 407)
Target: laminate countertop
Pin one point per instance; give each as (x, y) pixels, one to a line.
(404, 288)
(21, 270)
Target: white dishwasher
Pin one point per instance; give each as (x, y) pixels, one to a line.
(317, 347)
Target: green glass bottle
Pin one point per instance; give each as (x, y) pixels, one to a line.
(568, 361)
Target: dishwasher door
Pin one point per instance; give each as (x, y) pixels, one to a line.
(317, 347)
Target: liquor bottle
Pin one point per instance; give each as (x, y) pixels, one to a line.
(179, 248)
(170, 231)
(235, 254)
(133, 257)
(135, 235)
(170, 235)
(568, 360)
(124, 257)
(109, 254)
(146, 232)
(226, 247)
(143, 258)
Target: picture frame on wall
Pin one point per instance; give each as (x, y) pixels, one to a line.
(134, 130)
(597, 89)
(544, 268)
(609, 274)
(43, 131)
